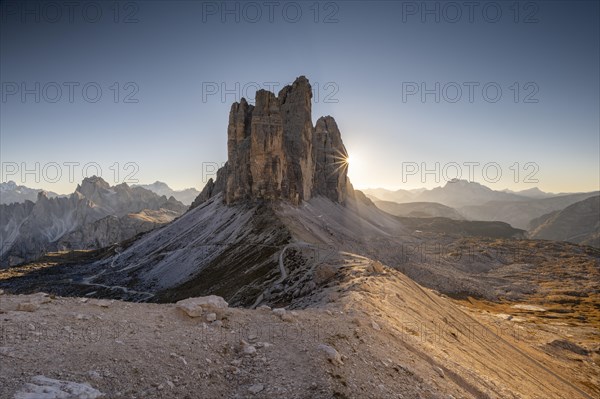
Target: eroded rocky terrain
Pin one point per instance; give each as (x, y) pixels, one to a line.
(364, 331)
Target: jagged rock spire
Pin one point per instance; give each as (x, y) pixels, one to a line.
(275, 153)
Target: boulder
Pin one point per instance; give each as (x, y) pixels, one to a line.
(194, 307)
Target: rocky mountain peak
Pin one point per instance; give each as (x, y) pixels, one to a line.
(42, 195)
(9, 185)
(91, 185)
(275, 153)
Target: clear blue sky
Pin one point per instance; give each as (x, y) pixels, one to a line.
(365, 58)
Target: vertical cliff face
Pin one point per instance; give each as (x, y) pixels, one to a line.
(275, 153)
(296, 113)
(238, 152)
(331, 164)
(267, 155)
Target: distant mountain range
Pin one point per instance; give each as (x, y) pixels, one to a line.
(186, 196)
(10, 192)
(578, 223)
(474, 201)
(520, 213)
(533, 193)
(456, 194)
(95, 215)
(419, 209)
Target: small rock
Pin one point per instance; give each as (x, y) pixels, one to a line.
(332, 354)
(1, 292)
(210, 317)
(279, 311)
(439, 371)
(375, 326)
(28, 307)
(246, 348)
(103, 303)
(254, 389)
(175, 355)
(94, 375)
(264, 307)
(217, 323)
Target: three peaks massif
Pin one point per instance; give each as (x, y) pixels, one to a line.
(274, 152)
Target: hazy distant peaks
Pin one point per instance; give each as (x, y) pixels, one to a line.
(186, 196)
(11, 192)
(10, 185)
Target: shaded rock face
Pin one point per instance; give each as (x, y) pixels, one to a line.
(275, 153)
(330, 155)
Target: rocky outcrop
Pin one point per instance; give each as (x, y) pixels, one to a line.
(212, 187)
(275, 153)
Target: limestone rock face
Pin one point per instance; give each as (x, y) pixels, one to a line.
(275, 153)
(238, 185)
(331, 161)
(268, 158)
(296, 116)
